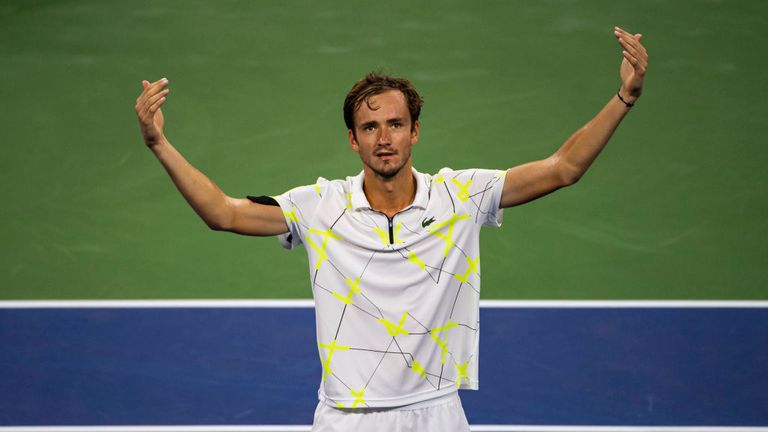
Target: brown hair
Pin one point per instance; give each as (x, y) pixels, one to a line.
(376, 83)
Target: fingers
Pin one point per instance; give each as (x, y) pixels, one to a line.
(149, 105)
(152, 88)
(634, 62)
(634, 51)
(152, 97)
(156, 101)
(630, 42)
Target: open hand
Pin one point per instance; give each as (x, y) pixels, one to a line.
(634, 65)
(148, 110)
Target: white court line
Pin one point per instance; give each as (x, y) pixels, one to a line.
(307, 428)
(177, 303)
(307, 303)
(213, 428)
(524, 428)
(624, 304)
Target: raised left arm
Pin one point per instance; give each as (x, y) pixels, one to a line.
(565, 167)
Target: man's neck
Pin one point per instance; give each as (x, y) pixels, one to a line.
(390, 195)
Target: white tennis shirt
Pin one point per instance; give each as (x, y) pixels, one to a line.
(396, 300)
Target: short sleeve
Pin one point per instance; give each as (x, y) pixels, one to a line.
(298, 205)
(479, 191)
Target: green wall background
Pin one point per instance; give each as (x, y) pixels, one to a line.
(674, 208)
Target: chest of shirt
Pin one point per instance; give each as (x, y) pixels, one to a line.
(335, 220)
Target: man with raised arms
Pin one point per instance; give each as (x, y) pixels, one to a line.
(394, 254)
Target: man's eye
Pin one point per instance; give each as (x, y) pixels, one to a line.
(397, 125)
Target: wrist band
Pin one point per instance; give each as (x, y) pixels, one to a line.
(629, 105)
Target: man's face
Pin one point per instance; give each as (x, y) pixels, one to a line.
(383, 134)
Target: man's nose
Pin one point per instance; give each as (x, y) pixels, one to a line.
(384, 137)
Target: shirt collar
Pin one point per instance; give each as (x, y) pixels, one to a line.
(359, 201)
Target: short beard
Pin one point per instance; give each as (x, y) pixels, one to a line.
(389, 173)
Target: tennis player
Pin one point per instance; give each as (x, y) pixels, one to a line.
(393, 253)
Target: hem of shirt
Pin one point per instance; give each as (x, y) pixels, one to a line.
(496, 193)
(287, 240)
(420, 400)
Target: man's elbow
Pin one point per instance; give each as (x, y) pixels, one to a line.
(220, 221)
(570, 175)
(217, 226)
(564, 173)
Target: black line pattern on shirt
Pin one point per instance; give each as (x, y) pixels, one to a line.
(338, 218)
(425, 265)
(440, 380)
(488, 186)
(295, 205)
(379, 364)
(366, 264)
(409, 229)
(356, 306)
(458, 291)
(445, 183)
(419, 322)
(394, 339)
(340, 320)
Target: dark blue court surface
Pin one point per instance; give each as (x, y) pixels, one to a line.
(237, 366)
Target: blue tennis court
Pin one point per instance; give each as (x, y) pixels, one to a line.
(542, 365)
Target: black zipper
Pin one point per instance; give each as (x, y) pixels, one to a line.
(390, 223)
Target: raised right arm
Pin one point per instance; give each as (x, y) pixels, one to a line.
(219, 211)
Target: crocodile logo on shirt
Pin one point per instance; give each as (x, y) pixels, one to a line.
(427, 222)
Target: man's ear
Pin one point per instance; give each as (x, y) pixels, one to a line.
(353, 142)
(415, 132)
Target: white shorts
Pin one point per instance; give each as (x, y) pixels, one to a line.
(444, 414)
